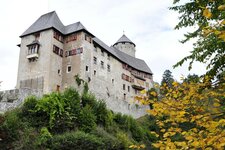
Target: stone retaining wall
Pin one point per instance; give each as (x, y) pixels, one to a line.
(13, 98)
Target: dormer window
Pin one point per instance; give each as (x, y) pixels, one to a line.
(33, 50)
(37, 36)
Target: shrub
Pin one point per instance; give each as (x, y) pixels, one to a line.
(72, 105)
(110, 142)
(123, 138)
(89, 99)
(28, 113)
(29, 106)
(136, 130)
(122, 121)
(12, 124)
(11, 127)
(104, 117)
(44, 136)
(59, 114)
(26, 140)
(72, 100)
(87, 119)
(76, 140)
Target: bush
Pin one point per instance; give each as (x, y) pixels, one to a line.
(12, 124)
(123, 138)
(76, 140)
(104, 116)
(72, 101)
(136, 130)
(29, 106)
(28, 113)
(13, 130)
(87, 119)
(44, 137)
(110, 142)
(122, 121)
(88, 99)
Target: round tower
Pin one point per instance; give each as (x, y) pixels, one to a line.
(125, 45)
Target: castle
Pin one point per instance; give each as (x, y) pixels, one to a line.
(51, 54)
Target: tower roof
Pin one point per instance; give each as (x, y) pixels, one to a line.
(51, 20)
(124, 39)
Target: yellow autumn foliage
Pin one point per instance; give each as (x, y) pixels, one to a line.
(200, 108)
(207, 13)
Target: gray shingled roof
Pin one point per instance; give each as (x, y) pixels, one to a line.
(51, 20)
(131, 61)
(123, 39)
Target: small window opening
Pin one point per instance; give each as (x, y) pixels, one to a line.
(124, 96)
(86, 68)
(69, 69)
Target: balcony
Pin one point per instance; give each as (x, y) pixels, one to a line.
(32, 56)
(33, 49)
(138, 87)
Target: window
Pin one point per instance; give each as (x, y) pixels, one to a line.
(86, 68)
(75, 51)
(72, 37)
(57, 51)
(102, 64)
(124, 87)
(95, 48)
(112, 81)
(128, 88)
(88, 38)
(102, 52)
(108, 68)
(95, 60)
(59, 72)
(108, 57)
(94, 72)
(37, 36)
(124, 96)
(57, 88)
(58, 36)
(69, 69)
(32, 49)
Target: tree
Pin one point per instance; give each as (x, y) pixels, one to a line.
(191, 116)
(207, 16)
(192, 78)
(167, 78)
(167, 81)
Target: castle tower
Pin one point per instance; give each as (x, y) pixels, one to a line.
(125, 45)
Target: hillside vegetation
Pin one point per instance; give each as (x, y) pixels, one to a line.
(69, 120)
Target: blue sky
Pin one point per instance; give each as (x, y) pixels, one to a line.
(148, 23)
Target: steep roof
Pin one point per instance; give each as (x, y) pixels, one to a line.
(131, 61)
(51, 20)
(123, 39)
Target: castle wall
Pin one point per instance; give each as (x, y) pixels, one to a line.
(38, 68)
(14, 98)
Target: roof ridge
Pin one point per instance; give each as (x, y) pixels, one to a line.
(52, 20)
(124, 38)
